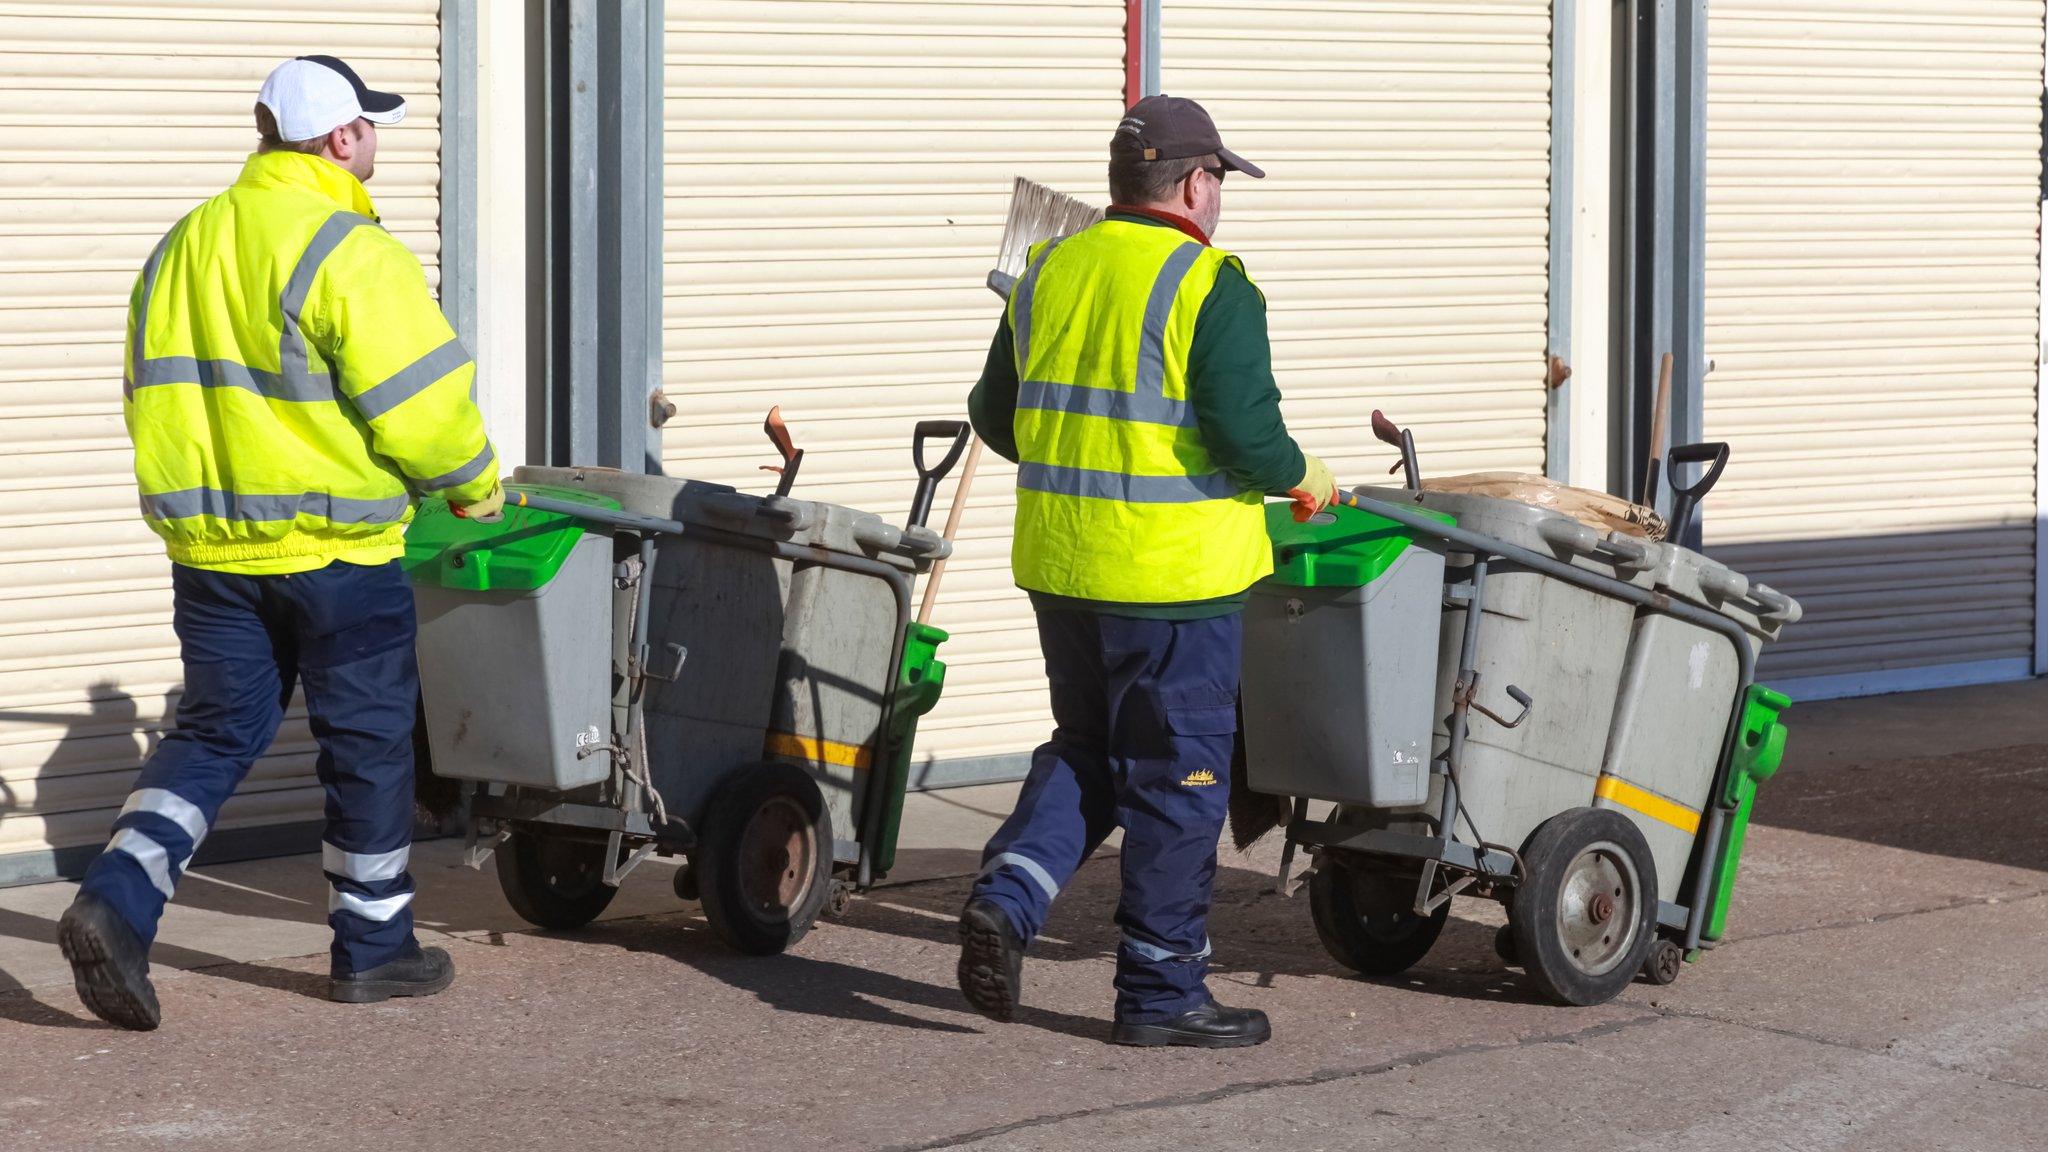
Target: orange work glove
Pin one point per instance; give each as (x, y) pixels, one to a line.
(1315, 491)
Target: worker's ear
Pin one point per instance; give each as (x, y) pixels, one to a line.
(1188, 195)
(341, 145)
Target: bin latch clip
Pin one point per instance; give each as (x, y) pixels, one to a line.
(676, 654)
(1467, 692)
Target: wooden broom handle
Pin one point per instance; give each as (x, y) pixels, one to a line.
(953, 515)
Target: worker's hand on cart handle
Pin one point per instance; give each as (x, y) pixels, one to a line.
(488, 510)
(1315, 491)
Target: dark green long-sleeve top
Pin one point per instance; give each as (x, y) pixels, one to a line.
(1236, 402)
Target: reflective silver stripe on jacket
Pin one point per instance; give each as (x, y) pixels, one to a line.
(272, 506)
(364, 867)
(411, 380)
(291, 351)
(462, 475)
(136, 358)
(1061, 480)
(1147, 403)
(310, 388)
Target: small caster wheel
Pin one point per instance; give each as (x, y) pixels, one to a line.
(1665, 961)
(840, 899)
(553, 881)
(686, 883)
(1504, 945)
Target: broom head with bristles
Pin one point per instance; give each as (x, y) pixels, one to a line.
(1036, 213)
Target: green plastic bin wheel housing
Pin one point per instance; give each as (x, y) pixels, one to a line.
(1338, 547)
(520, 553)
(1759, 751)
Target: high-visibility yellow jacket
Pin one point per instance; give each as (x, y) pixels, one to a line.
(1117, 498)
(290, 383)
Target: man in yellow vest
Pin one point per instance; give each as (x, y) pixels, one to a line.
(1131, 381)
(290, 386)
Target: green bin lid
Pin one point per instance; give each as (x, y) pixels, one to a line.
(1338, 547)
(520, 553)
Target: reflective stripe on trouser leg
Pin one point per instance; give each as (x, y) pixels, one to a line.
(1028, 866)
(235, 684)
(1066, 806)
(1158, 955)
(356, 660)
(1173, 750)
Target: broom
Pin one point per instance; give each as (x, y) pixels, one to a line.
(1036, 213)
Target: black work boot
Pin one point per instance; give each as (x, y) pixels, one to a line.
(421, 972)
(1210, 1026)
(991, 960)
(109, 964)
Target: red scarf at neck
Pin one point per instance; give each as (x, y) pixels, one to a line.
(1178, 221)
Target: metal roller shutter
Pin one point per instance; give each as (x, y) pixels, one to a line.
(119, 118)
(837, 175)
(1873, 193)
(1401, 232)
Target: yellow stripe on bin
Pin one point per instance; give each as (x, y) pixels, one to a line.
(816, 751)
(1618, 791)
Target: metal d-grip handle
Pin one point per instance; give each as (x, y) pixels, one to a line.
(1685, 500)
(1519, 697)
(1401, 438)
(928, 478)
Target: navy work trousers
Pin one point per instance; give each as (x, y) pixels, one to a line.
(346, 632)
(1144, 712)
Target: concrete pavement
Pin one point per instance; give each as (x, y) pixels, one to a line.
(1886, 987)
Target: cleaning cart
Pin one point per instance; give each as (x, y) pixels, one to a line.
(1506, 702)
(629, 665)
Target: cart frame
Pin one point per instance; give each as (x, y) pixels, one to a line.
(1494, 864)
(624, 816)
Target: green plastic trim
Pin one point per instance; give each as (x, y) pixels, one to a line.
(1338, 548)
(919, 683)
(520, 553)
(1758, 753)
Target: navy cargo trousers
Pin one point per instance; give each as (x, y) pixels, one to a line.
(346, 632)
(1144, 715)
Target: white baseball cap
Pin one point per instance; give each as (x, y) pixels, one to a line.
(313, 95)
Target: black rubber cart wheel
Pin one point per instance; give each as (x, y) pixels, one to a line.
(1585, 913)
(1504, 945)
(1665, 961)
(764, 862)
(553, 881)
(1366, 918)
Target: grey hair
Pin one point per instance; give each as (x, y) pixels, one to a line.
(1136, 180)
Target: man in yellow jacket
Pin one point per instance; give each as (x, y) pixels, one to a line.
(1131, 380)
(291, 386)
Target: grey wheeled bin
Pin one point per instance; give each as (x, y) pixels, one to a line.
(1560, 644)
(1576, 671)
(1340, 653)
(1679, 685)
(532, 593)
(746, 687)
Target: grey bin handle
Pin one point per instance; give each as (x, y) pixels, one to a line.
(1724, 583)
(916, 542)
(739, 508)
(1633, 554)
(1777, 606)
(1569, 536)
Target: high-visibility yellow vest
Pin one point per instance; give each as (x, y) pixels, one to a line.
(290, 383)
(1117, 499)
